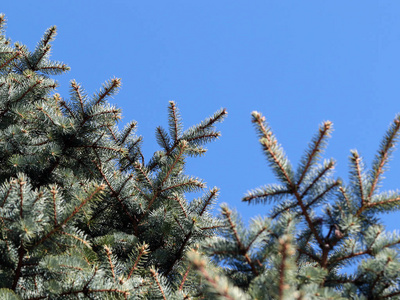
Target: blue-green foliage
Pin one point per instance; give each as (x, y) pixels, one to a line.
(317, 229)
(82, 214)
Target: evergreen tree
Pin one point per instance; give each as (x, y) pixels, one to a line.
(317, 227)
(82, 214)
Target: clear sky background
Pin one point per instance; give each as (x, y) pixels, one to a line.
(297, 62)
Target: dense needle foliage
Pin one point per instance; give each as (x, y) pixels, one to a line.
(323, 238)
(84, 215)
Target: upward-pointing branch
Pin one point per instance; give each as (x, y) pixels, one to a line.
(384, 152)
(316, 147)
(273, 151)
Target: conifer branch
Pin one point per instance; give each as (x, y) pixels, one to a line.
(15, 80)
(232, 226)
(44, 52)
(163, 138)
(262, 230)
(389, 296)
(272, 149)
(214, 282)
(141, 192)
(131, 127)
(305, 252)
(16, 55)
(242, 249)
(179, 224)
(321, 173)
(64, 104)
(86, 292)
(155, 276)
(21, 254)
(345, 196)
(142, 251)
(95, 146)
(179, 254)
(97, 191)
(327, 189)
(49, 35)
(203, 136)
(213, 193)
(310, 223)
(175, 125)
(282, 269)
(108, 252)
(377, 278)
(63, 67)
(108, 90)
(351, 255)
(356, 160)
(263, 194)
(211, 227)
(112, 133)
(384, 152)
(116, 195)
(15, 65)
(53, 192)
(40, 108)
(77, 89)
(368, 251)
(129, 177)
(176, 198)
(11, 187)
(266, 142)
(21, 196)
(130, 163)
(184, 278)
(21, 49)
(77, 238)
(178, 157)
(71, 267)
(216, 118)
(139, 168)
(285, 208)
(316, 148)
(188, 236)
(85, 288)
(174, 121)
(155, 195)
(219, 284)
(114, 112)
(373, 204)
(37, 82)
(182, 184)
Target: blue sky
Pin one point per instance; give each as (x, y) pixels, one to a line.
(297, 62)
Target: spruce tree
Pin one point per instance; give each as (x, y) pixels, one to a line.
(323, 239)
(83, 214)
